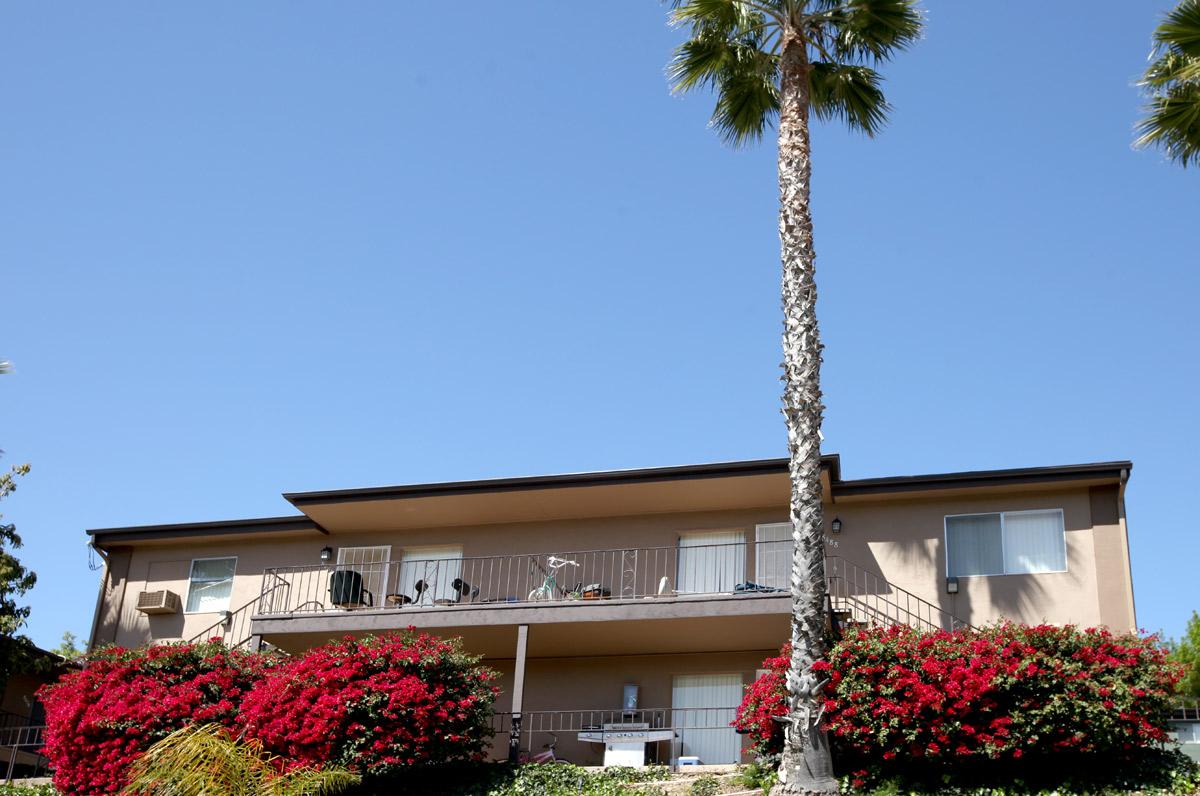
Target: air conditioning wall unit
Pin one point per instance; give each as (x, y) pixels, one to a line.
(158, 602)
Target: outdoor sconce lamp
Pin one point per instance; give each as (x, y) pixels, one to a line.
(227, 618)
(836, 525)
(326, 554)
(951, 585)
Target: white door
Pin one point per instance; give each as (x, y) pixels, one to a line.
(711, 562)
(371, 563)
(773, 554)
(703, 707)
(435, 568)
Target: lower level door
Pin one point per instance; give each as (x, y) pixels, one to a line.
(703, 707)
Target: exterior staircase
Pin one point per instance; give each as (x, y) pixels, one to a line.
(859, 598)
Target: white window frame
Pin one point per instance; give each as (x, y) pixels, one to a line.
(1003, 552)
(232, 582)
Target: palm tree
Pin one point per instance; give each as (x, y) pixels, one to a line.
(208, 761)
(778, 61)
(1172, 82)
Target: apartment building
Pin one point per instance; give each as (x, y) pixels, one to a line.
(638, 600)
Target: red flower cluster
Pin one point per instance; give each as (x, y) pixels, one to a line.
(99, 719)
(376, 704)
(1001, 692)
(765, 699)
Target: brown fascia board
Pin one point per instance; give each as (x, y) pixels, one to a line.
(145, 533)
(972, 479)
(529, 483)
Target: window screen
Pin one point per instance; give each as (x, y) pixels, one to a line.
(1005, 543)
(210, 584)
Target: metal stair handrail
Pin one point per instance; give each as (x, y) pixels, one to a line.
(876, 598)
(224, 626)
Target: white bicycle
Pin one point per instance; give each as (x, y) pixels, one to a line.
(546, 590)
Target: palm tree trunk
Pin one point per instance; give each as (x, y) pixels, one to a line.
(806, 767)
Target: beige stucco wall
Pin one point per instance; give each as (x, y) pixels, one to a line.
(904, 541)
(900, 539)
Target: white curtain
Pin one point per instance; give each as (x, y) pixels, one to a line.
(1034, 542)
(704, 707)
(710, 563)
(974, 545)
(210, 584)
(437, 567)
(773, 554)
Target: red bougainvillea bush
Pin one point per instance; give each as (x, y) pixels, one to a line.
(898, 697)
(376, 705)
(99, 719)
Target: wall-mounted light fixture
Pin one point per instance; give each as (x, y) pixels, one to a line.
(951, 585)
(836, 525)
(227, 618)
(326, 554)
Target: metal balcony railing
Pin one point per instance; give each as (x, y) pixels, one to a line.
(631, 573)
(21, 746)
(857, 596)
(535, 730)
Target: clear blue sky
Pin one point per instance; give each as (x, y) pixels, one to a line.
(249, 248)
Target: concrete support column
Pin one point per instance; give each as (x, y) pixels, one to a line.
(518, 693)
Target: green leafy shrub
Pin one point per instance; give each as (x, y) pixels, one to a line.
(27, 790)
(705, 786)
(532, 779)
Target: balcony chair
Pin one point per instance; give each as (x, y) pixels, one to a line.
(346, 590)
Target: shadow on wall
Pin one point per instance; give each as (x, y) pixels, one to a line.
(1027, 598)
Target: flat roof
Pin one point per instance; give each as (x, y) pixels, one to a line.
(969, 479)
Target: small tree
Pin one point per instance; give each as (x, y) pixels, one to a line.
(16, 650)
(377, 705)
(1186, 651)
(208, 761)
(68, 649)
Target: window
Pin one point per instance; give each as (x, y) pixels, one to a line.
(773, 555)
(210, 584)
(711, 562)
(1005, 543)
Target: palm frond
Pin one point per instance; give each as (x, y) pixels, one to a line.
(1180, 30)
(850, 93)
(872, 29)
(747, 97)
(698, 62)
(1172, 84)
(733, 51)
(1172, 124)
(206, 761)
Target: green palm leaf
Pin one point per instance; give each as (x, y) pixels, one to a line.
(734, 50)
(207, 761)
(1172, 84)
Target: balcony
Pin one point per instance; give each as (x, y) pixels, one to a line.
(689, 585)
(581, 577)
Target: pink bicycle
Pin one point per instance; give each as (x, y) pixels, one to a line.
(547, 756)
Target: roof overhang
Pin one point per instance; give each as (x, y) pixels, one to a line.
(658, 490)
(758, 483)
(205, 531)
